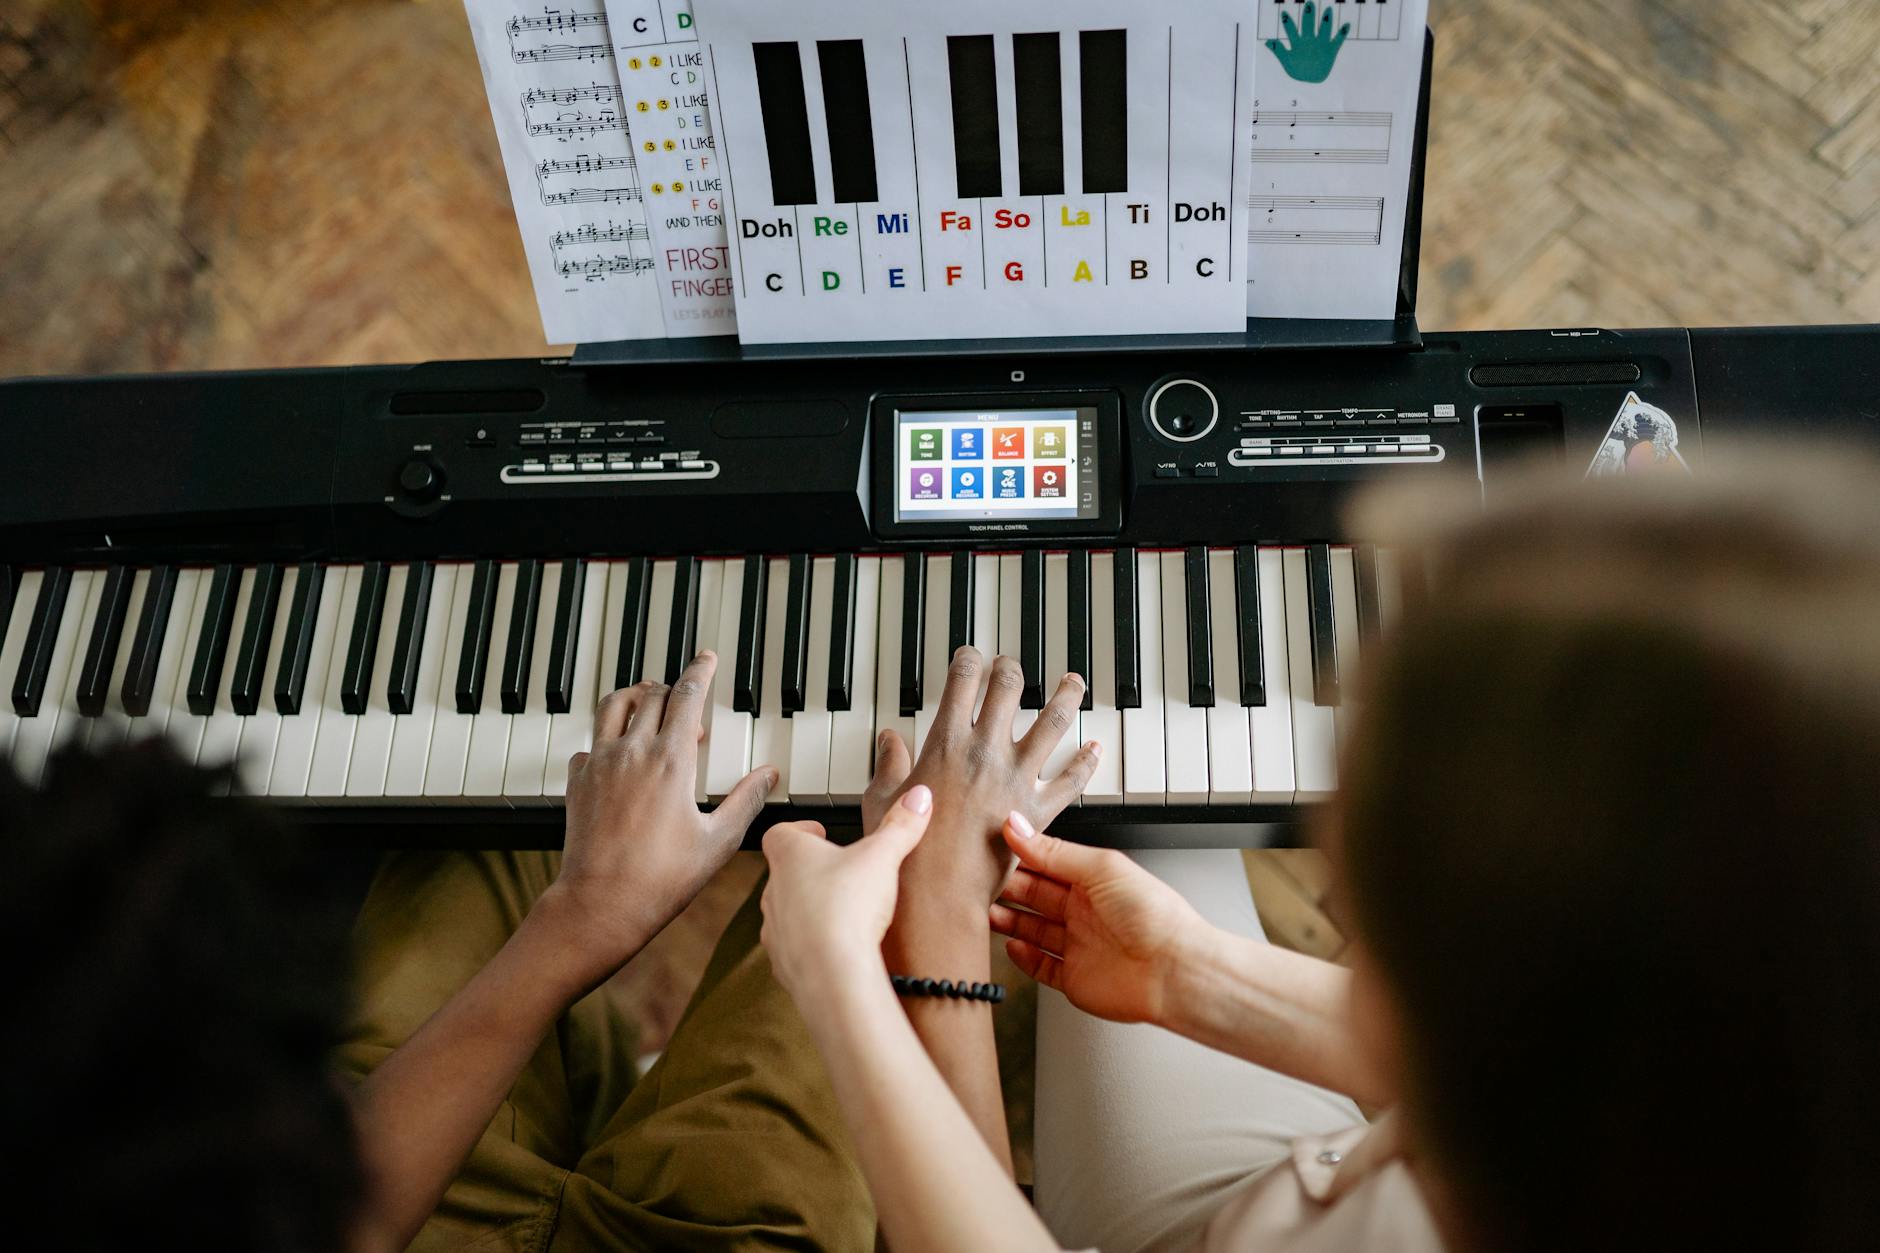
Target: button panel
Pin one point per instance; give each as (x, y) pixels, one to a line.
(1353, 448)
(624, 433)
(615, 468)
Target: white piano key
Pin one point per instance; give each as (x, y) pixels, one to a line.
(852, 730)
(658, 620)
(527, 762)
(293, 751)
(12, 646)
(371, 756)
(1011, 621)
(1145, 777)
(711, 591)
(728, 747)
(332, 744)
(1057, 610)
(770, 730)
(1389, 589)
(1345, 631)
(489, 728)
(985, 616)
(573, 732)
(1185, 726)
(935, 653)
(888, 715)
(809, 736)
(1315, 731)
(222, 730)
(171, 668)
(449, 749)
(1230, 745)
(58, 718)
(185, 725)
(1103, 721)
(411, 733)
(109, 728)
(1270, 725)
(261, 730)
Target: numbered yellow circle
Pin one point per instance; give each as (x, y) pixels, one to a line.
(670, 145)
(664, 105)
(633, 63)
(642, 106)
(678, 186)
(649, 145)
(658, 188)
(655, 62)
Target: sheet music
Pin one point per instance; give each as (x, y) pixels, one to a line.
(1333, 138)
(562, 122)
(908, 170)
(662, 68)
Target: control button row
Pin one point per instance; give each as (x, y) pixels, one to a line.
(610, 468)
(1439, 415)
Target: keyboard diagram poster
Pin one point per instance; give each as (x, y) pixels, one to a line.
(905, 170)
(1333, 140)
(603, 269)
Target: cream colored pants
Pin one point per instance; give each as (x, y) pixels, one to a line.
(1140, 1134)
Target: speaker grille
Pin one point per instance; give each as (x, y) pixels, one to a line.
(1554, 374)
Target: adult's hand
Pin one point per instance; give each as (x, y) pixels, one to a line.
(1105, 932)
(637, 848)
(827, 907)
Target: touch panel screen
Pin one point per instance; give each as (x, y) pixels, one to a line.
(1006, 465)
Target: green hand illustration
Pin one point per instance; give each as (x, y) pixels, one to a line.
(1313, 46)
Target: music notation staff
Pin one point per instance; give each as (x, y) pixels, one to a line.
(1335, 156)
(1258, 203)
(579, 124)
(600, 267)
(1316, 219)
(563, 52)
(1321, 119)
(555, 20)
(600, 93)
(612, 233)
(1259, 235)
(593, 195)
(583, 165)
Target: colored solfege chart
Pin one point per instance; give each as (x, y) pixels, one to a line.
(901, 171)
(1333, 140)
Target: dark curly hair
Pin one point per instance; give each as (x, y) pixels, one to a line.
(178, 982)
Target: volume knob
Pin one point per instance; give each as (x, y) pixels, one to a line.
(419, 480)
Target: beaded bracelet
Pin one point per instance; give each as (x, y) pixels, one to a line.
(907, 985)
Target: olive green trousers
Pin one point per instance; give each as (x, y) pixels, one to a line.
(731, 1141)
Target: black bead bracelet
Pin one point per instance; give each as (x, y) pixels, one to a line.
(907, 985)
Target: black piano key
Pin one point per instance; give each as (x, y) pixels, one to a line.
(478, 625)
(218, 623)
(1031, 628)
(842, 634)
(1128, 650)
(682, 630)
(303, 615)
(1324, 641)
(748, 683)
(1247, 622)
(140, 674)
(1364, 558)
(1077, 626)
(913, 630)
(565, 642)
(960, 605)
(1200, 630)
(796, 636)
(107, 630)
(401, 685)
(362, 650)
(1413, 583)
(519, 650)
(251, 653)
(42, 633)
(633, 613)
(9, 588)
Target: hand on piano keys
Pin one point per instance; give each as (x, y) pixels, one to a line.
(1216, 676)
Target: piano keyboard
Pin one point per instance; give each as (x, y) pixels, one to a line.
(1217, 676)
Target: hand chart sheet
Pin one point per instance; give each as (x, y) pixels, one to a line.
(905, 170)
(563, 124)
(1333, 139)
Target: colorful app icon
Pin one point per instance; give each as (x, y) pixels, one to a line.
(1008, 441)
(969, 483)
(925, 442)
(924, 484)
(1047, 443)
(1047, 481)
(1008, 483)
(969, 443)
